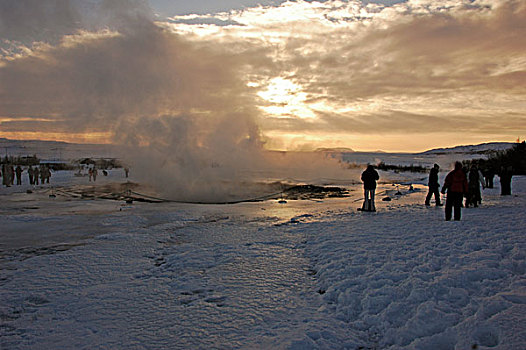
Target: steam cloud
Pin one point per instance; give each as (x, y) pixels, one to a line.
(182, 111)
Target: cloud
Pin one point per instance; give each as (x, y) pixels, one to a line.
(25, 24)
(360, 66)
(202, 20)
(417, 67)
(178, 107)
(386, 122)
(34, 20)
(181, 110)
(95, 80)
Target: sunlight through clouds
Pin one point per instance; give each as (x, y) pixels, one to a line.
(452, 59)
(438, 69)
(287, 99)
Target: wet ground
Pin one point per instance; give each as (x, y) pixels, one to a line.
(178, 275)
(90, 272)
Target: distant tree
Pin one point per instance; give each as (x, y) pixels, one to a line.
(514, 157)
(20, 160)
(404, 168)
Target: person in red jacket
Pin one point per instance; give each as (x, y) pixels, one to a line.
(456, 185)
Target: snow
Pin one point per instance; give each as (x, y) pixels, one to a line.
(470, 149)
(422, 283)
(55, 150)
(91, 273)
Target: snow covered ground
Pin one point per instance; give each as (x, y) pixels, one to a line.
(82, 273)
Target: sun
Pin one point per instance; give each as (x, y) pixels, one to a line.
(286, 99)
(280, 90)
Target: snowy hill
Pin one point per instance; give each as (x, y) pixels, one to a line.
(335, 150)
(65, 150)
(483, 148)
(56, 150)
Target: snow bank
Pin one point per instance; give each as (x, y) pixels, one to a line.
(405, 278)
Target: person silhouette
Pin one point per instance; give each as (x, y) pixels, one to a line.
(433, 186)
(505, 175)
(369, 178)
(30, 175)
(18, 172)
(36, 174)
(456, 185)
(474, 196)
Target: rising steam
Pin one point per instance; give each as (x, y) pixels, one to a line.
(183, 112)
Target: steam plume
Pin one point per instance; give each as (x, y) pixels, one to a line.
(182, 110)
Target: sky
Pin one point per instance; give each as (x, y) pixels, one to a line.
(398, 76)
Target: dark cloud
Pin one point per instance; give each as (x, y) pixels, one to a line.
(26, 22)
(37, 20)
(96, 81)
(205, 21)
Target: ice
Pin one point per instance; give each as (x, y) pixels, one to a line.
(92, 273)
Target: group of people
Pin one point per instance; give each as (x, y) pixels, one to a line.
(93, 172)
(458, 184)
(9, 173)
(35, 173)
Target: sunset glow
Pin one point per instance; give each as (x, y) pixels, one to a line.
(402, 77)
(95, 138)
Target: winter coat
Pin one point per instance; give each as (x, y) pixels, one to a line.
(456, 181)
(475, 179)
(481, 179)
(369, 178)
(433, 178)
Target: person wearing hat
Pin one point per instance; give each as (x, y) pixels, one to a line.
(433, 186)
(369, 178)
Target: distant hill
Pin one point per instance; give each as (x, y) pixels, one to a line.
(56, 150)
(66, 151)
(483, 148)
(335, 150)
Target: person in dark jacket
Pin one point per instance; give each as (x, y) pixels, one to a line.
(18, 172)
(488, 174)
(5, 176)
(505, 174)
(36, 173)
(30, 175)
(474, 197)
(369, 178)
(12, 174)
(456, 185)
(433, 186)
